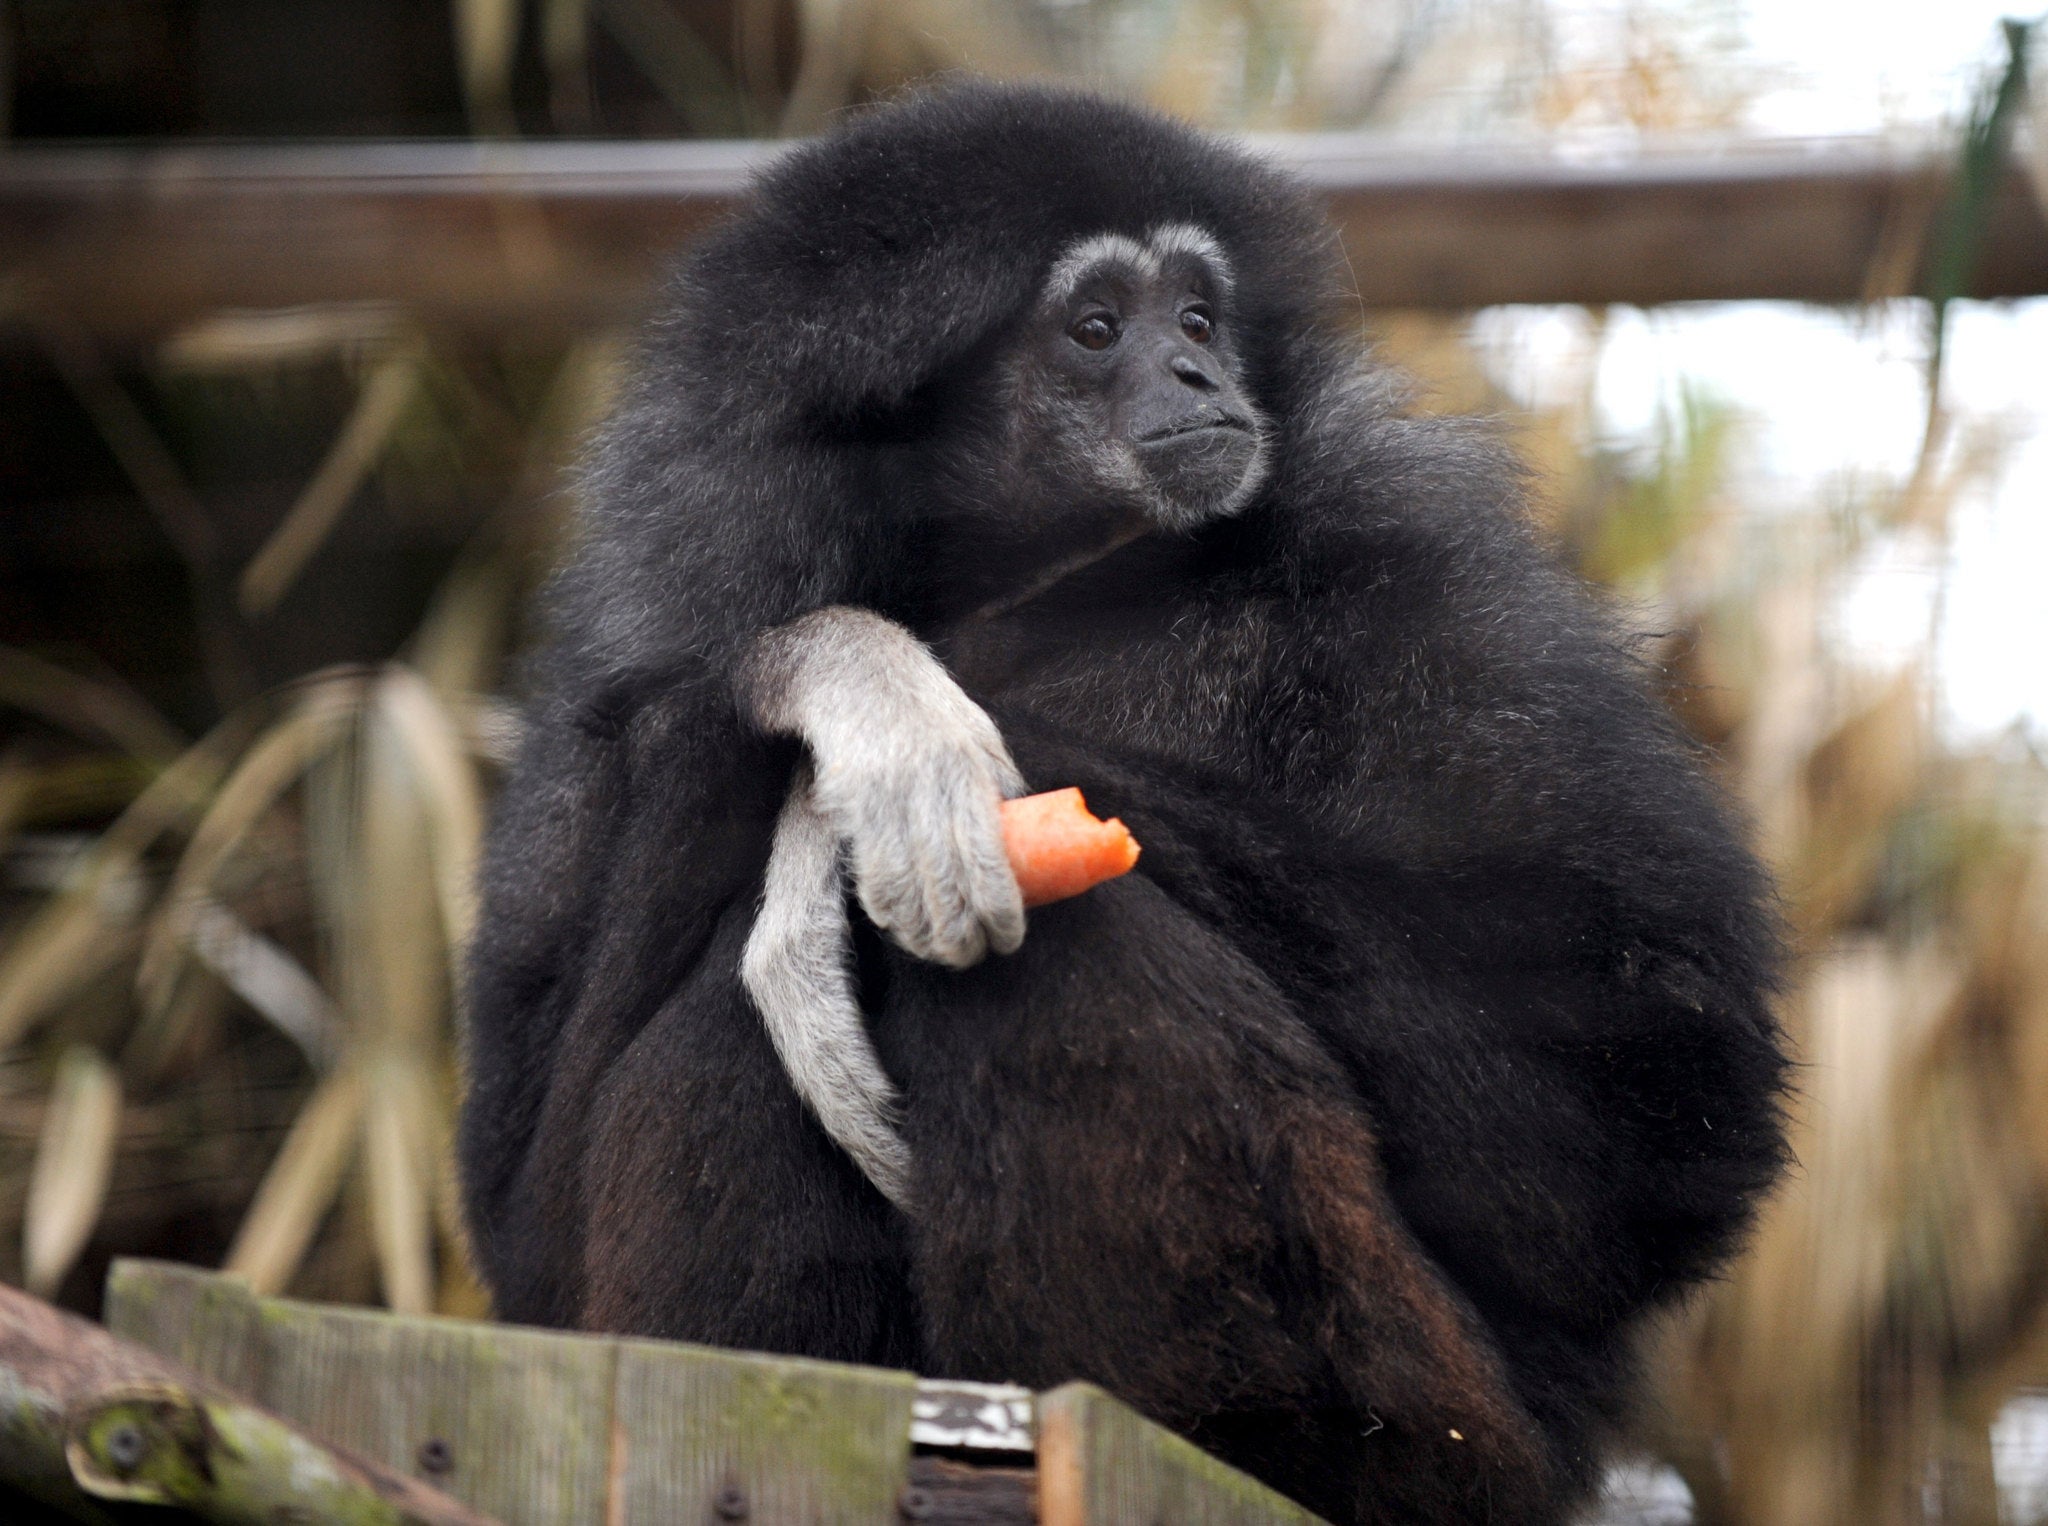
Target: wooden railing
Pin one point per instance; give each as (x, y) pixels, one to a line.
(541, 1428)
(133, 243)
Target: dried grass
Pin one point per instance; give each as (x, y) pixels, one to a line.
(309, 864)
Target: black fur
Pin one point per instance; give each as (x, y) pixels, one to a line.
(1427, 1049)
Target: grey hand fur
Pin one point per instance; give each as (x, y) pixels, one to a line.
(909, 774)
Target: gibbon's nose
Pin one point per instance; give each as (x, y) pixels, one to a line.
(1193, 372)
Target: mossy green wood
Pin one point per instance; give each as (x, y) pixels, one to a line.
(206, 1323)
(1101, 1463)
(541, 1427)
(224, 1461)
(514, 1422)
(702, 1435)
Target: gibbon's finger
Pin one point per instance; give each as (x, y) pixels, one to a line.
(892, 894)
(997, 899)
(797, 967)
(957, 939)
(886, 876)
(917, 872)
(975, 880)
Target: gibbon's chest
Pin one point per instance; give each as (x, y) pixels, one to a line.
(1193, 680)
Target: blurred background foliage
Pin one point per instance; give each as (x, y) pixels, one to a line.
(260, 587)
(658, 68)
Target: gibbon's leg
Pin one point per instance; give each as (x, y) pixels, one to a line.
(1133, 1164)
(797, 969)
(716, 1209)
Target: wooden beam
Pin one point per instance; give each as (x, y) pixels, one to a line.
(555, 236)
(1829, 222)
(546, 1428)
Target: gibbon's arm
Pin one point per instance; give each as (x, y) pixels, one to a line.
(909, 773)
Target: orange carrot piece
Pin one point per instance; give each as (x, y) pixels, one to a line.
(1058, 848)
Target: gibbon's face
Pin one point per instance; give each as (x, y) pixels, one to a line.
(1129, 384)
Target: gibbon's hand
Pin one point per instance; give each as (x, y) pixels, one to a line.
(909, 772)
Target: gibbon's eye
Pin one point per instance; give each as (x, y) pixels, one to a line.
(1196, 323)
(1097, 331)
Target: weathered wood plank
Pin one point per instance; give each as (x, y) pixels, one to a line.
(947, 1492)
(134, 242)
(1101, 1463)
(700, 1437)
(198, 1320)
(516, 1422)
(543, 1428)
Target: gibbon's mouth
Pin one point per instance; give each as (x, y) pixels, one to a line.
(1202, 424)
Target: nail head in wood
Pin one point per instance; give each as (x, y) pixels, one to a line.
(126, 1448)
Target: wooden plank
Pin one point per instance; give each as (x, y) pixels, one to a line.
(81, 1409)
(198, 1320)
(1101, 1463)
(515, 1422)
(539, 1426)
(557, 1429)
(698, 1436)
(512, 1421)
(134, 243)
(944, 1491)
(555, 236)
